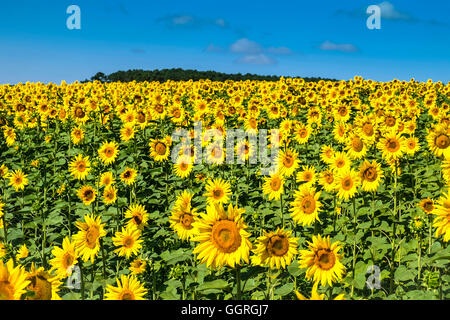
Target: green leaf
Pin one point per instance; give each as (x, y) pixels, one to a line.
(215, 284)
(284, 290)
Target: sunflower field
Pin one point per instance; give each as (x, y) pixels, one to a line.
(93, 206)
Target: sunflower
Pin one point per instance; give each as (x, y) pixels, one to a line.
(392, 146)
(326, 180)
(77, 135)
(322, 261)
(87, 240)
(346, 184)
(18, 179)
(356, 148)
(87, 194)
(42, 285)
(137, 266)
(341, 161)
(274, 186)
(275, 249)
(3, 171)
(109, 195)
(13, 281)
(108, 152)
(371, 175)
(65, 258)
(128, 241)
(22, 253)
(442, 221)
(302, 133)
(412, 145)
(316, 296)
(327, 154)
(160, 148)
(107, 179)
(289, 162)
(306, 206)
(183, 216)
(138, 216)
(79, 167)
(222, 236)
(183, 166)
(427, 205)
(308, 176)
(128, 288)
(128, 176)
(218, 191)
(127, 132)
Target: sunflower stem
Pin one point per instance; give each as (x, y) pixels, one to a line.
(238, 283)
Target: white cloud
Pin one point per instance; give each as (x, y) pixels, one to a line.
(388, 11)
(246, 46)
(345, 47)
(260, 59)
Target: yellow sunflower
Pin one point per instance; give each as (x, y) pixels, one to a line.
(137, 266)
(183, 216)
(13, 281)
(108, 152)
(346, 184)
(128, 288)
(183, 166)
(217, 191)
(127, 241)
(306, 206)
(107, 179)
(137, 216)
(65, 258)
(307, 176)
(392, 146)
(273, 186)
(110, 195)
(18, 179)
(87, 240)
(427, 205)
(222, 236)
(79, 167)
(316, 296)
(128, 176)
(322, 261)
(87, 194)
(42, 285)
(160, 148)
(275, 249)
(370, 174)
(289, 162)
(442, 221)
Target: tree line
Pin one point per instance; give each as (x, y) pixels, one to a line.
(178, 74)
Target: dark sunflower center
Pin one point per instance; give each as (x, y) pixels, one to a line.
(186, 220)
(370, 174)
(325, 259)
(347, 183)
(226, 236)
(160, 148)
(442, 141)
(278, 245)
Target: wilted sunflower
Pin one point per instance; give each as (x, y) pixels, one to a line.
(160, 148)
(371, 175)
(80, 167)
(442, 221)
(128, 176)
(346, 184)
(275, 249)
(217, 191)
(87, 240)
(127, 241)
(306, 206)
(13, 281)
(322, 261)
(108, 152)
(223, 239)
(18, 179)
(87, 194)
(128, 288)
(273, 186)
(65, 258)
(42, 285)
(138, 216)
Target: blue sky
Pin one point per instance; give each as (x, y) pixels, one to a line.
(291, 38)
